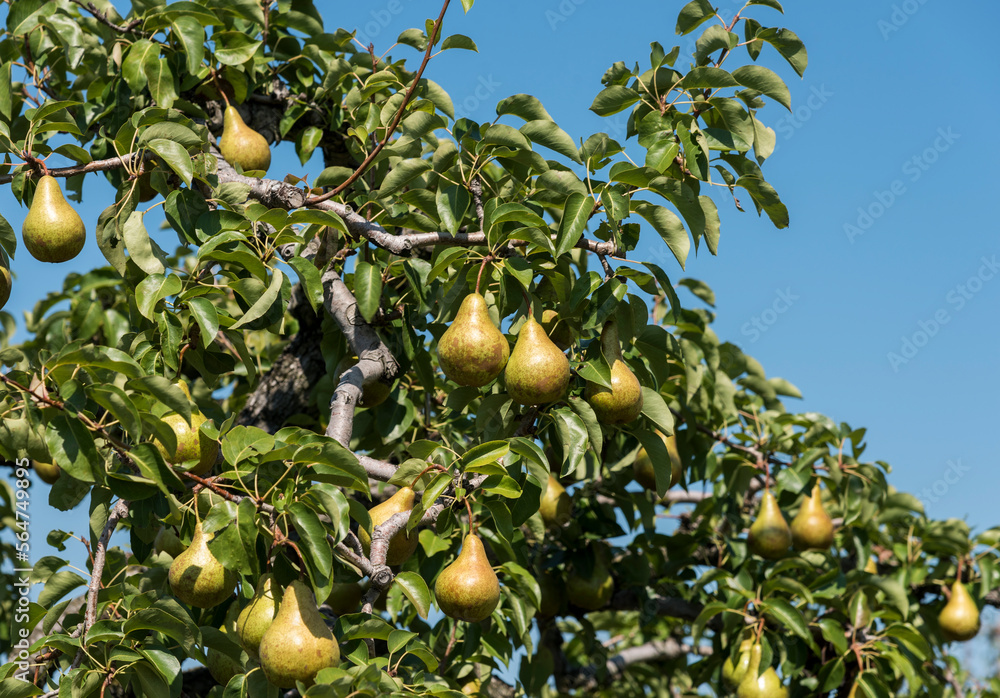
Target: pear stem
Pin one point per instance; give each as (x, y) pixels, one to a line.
(218, 86)
(486, 260)
(961, 562)
(468, 506)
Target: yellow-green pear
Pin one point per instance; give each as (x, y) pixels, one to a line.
(472, 351)
(622, 402)
(52, 230)
(298, 645)
(537, 373)
(197, 578)
(345, 597)
(192, 444)
(241, 145)
(733, 672)
(645, 473)
(166, 541)
(769, 534)
(401, 545)
(556, 506)
(959, 619)
(757, 684)
(468, 588)
(373, 393)
(6, 284)
(594, 592)
(48, 472)
(257, 616)
(812, 527)
(220, 665)
(558, 330)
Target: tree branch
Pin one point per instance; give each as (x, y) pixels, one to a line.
(589, 678)
(101, 17)
(117, 513)
(431, 40)
(93, 166)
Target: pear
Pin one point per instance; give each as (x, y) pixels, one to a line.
(643, 469)
(733, 673)
(769, 534)
(48, 472)
(621, 403)
(558, 330)
(6, 284)
(298, 644)
(345, 597)
(537, 373)
(812, 528)
(220, 665)
(556, 506)
(959, 619)
(197, 578)
(192, 444)
(593, 592)
(241, 145)
(468, 588)
(52, 230)
(257, 616)
(402, 545)
(373, 394)
(760, 685)
(472, 351)
(166, 541)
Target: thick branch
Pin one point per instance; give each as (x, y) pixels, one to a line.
(589, 678)
(101, 17)
(93, 166)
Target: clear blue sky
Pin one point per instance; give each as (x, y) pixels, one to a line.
(887, 119)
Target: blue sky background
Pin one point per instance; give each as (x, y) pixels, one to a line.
(893, 101)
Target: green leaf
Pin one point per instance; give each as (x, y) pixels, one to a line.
(451, 203)
(141, 249)
(166, 391)
(15, 688)
(546, 132)
(669, 227)
(765, 196)
(368, 289)
(459, 41)
(655, 409)
(114, 400)
(483, 454)
(790, 617)
(160, 80)
(506, 136)
(259, 309)
(190, 34)
(207, 317)
(72, 448)
(614, 99)
(660, 156)
(765, 81)
(525, 106)
(693, 15)
(314, 546)
(153, 289)
(788, 45)
(415, 589)
(8, 241)
(175, 156)
(708, 76)
(574, 222)
(402, 174)
(151, 464)
(700, 289)
(234, 48)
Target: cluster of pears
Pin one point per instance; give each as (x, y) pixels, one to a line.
(52, 230)
(770, 535)
(622, 402)
(745, 677)
(959, 619)
(473, 352)
(645, 473)
(241, 145)
(468, 588)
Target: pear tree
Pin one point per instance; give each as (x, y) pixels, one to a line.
(430, 422)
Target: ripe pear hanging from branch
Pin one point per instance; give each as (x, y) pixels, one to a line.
(52, 230)
(812, 527)
(241, 145)
(769, 534)
(472, 351)
(622, 402)
(537, 373)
